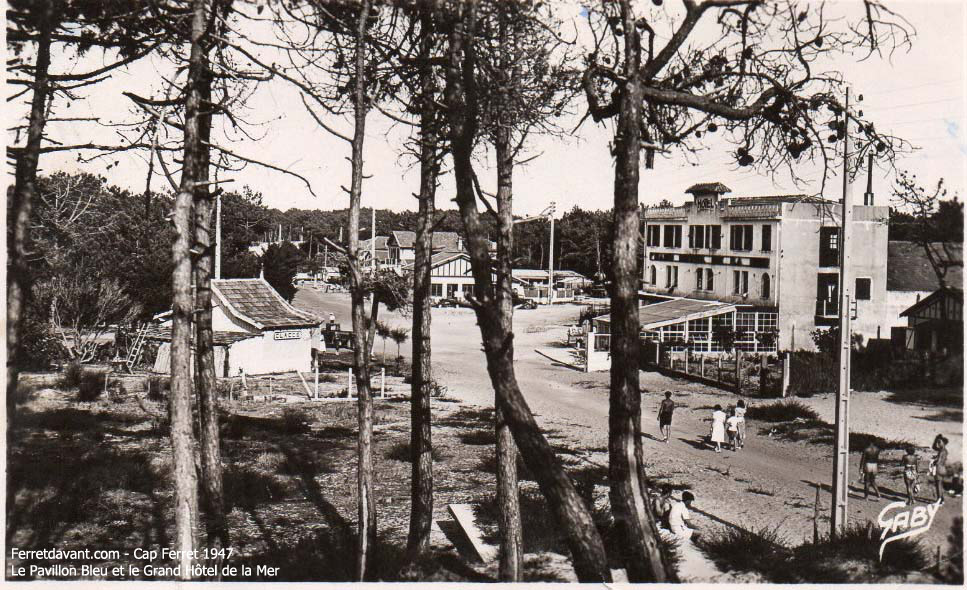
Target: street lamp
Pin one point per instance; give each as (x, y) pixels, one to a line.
(547, 213)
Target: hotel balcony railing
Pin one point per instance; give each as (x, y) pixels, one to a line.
(666, 213)
(827, 309)
(766, 210)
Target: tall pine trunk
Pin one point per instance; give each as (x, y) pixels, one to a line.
(421, 389)
(211, 456)
(366, 503)
(629, 504)
(194, 170)
(583, 539)
(508, 493)
(24, 195)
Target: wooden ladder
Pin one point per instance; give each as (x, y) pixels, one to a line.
(134, 353)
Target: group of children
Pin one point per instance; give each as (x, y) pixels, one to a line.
(729, 423)
(936, 471)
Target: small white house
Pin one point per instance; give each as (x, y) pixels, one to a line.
(256, 330)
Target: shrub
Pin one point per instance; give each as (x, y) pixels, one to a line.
(89, 384)
(478, 437)
(91, 387)
(39, 346)
(72, 375)
(831, 560)
(736, 549)
(783, 411)
(159, 387)
(295, 421)
(400, 451)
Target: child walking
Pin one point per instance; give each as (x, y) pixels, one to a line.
(740, 414)
(911, 467)
(732, 428)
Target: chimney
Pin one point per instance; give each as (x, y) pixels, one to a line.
(460, 244)
(868, 195)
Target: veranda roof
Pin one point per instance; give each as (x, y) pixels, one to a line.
(656, 315)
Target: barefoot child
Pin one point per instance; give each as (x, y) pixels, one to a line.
(911, 465)
(732, 428)
(740, 414)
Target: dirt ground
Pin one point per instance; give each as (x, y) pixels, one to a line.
(290, 475)
(770, 482)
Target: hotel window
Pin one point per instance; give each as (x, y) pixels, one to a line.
(671, 276)
(716, 240)
(696, 236)
(740, 282)
(468, 290)
(709, 285)
(766, 286)
(653, 275)
(863, 287)
(766, 238)
(741, 237)
(436, 290)
(654, 235)
(673, 236)
(699, 279)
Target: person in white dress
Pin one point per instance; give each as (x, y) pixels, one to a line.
(718, 428)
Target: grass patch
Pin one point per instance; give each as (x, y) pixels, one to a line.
(735, 549)
(784, 411)
(850, 557)
(538, 525)
(488, 464)
(400, 451)
(246, 487)
(468, 418)
(478, 437)
(295, 421)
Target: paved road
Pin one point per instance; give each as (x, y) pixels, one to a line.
(783, 475)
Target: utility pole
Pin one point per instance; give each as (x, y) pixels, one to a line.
(218, 236)
(372, 246)
(841, 458)
(550, 260)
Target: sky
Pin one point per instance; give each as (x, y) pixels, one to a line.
(917, 94)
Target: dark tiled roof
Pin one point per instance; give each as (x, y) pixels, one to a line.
(438, 259)
(220, 338)
(256, 300)
(908, 268)
(442, 240)
(382, 247)
(708, 187)
(955, 293)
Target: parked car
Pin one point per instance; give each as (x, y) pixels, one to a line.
(448, 302)
(522, 303)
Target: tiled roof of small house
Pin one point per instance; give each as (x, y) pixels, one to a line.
(909, 269)
(220, 338)
(442, 240)
(254, 300)
(382, 247)
(708, 187)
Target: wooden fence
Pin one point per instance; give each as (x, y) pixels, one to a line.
(742, 373)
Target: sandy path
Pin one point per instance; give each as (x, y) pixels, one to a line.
(783, 475)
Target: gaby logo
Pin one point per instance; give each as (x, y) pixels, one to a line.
(901, 524)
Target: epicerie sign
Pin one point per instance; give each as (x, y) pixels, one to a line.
(288, 335)
(905, 523)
